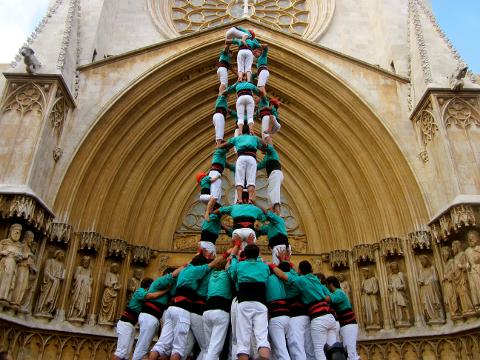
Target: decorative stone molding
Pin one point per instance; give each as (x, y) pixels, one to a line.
(424, 122)
(364, 253)
(163, 263)
(61, 233)
(339, 259)
(141, 254)
(27, 208)
(455, 219)
(67, 34)
(90, 240)
(26, 96)
(57, 153)
(422, 48)
(420, 240)
(117, 248)
(58, 113)
(461, 112)
(391, 246)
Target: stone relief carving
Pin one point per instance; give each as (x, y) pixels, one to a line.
(345, 285)
(460, 278)
(456, 79)
(109, 302)
(364, 253)
(450, 296)
(27, 208)
(462, 215)
(57, 153)
(117, 248)
(90, 240)
(397, 289)
(460, 113)
(424, 121)
(391, 246)
(81, 291)
(430, 294)
(32, 65)
(61, 233)
(420, 240)
(67, 34)
(26, 97)
(134, 282)
(473, 255)
(414, 17)
(141, 254)
(445, 225)
(53, 276)
(339, 258)
(11, 253)
(58, 114)
(370, 303)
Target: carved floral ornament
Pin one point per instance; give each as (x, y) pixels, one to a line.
(456, 219)
(26, 97)
(461, 113)
(27, 208)
(339, 258)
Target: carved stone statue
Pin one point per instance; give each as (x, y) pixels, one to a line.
(31, 62)
(430, 293)
(25, 269)
(370, 300)
(456, 79)
(473, 255)
(10, 254)
(110, 296)
(460, 278)
(134, 282)
(53, 275)
(398, 296)
(345, 286)
(450, 295)
(81, 291)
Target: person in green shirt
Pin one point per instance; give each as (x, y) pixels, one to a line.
(276, 231)
(223, 66)
(262, 68)
(245, 104)
(268, 113)
(218, 119)
(271, 163)
(345, 316)
(211, 184)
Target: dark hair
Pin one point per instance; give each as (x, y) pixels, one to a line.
(251, 251)
(145, 284)
(216, 206)
(168, 270)
(245, 196)
(198, 260)
(305, 267)
(284, 266)
(332, 280)
(3, 355)
(321, 277)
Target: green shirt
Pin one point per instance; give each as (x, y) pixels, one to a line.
(243, 85)
(221, 102)
(263, 103)
(220, 284)
(275, 112)
(161, 283)
(137, 300)
(224, 56)
(290, 288)
(275, 226)
(262, 59)
(213, 226)
(203, 286)
(340, 300)
(191, 276)
(249, 270)
(275, 289)
(242, 210)
(311, 289)
(252, 43)
(270, 154)
(220, 156)
(246, 143)
(205, 182)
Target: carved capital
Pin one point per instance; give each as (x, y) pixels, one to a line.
(391, 246)
(363, 253)
(462, 215)
(61, 233)
(117, 248)
(420, 240)
(339, 259)
(90, 240)
(28, 208)
(141, 254)
(455, 219)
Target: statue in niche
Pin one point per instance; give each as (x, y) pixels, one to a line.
(460, 278)
(448, 286)
(370, 304)
(10, 254)
(82, 291)
(110, 296)
(430, 293)
(134, 282)
(53, 275)
(473, 256)
(26, 271)
(345, 286)
(398, 296)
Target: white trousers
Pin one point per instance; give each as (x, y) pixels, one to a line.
(278, 329)
(323, 330)
(349, 335)
(275, 181)
(245, 60)
(215, 325)
(263, 78)
(148, 328)
(245, 169)
(126, 336)
(222, 74)
(235, 33)
(233, 335)
(298, 335)
(174, 336)
(276, 250)
(215, 188)
(219, 124)
(252, 317)
(243, 234)
(245, 106)
(197, 327)
(190, 345)
(266, 124)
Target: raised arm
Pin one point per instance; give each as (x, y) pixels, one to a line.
(281, 275)
(157, 294)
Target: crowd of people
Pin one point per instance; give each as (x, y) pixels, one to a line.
(236, 305)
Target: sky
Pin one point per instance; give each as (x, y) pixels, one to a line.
(460, 20)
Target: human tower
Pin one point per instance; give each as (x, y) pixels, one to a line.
(237, 306)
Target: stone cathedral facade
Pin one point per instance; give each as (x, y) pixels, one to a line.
(103, 128)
